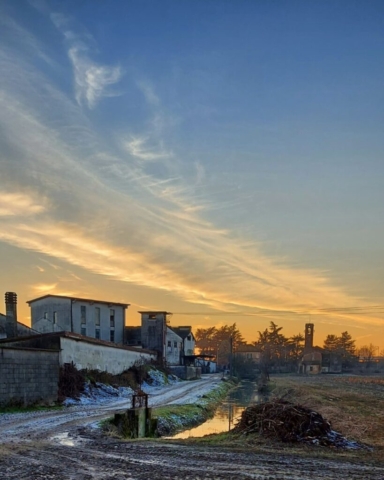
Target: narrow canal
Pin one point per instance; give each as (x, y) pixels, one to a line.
(228, 413)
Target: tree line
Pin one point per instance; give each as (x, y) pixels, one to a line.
(278, 351)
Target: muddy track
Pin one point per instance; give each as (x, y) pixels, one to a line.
(62, 445)
(110, 459)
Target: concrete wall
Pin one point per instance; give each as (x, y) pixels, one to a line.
(153, 331)
(99, 357)
(28, 376)
(43, 314)
(189, 345)
(173, 346)
(105, 328)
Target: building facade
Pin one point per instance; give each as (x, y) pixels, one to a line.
(173, 344)
(98, 319)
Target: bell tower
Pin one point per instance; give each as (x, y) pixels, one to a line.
(309, 331)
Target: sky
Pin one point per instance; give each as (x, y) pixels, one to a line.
(221, 160)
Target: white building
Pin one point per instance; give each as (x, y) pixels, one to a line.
(92, 318)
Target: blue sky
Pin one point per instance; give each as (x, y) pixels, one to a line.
(214, 157)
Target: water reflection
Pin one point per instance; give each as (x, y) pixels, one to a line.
(228, 413)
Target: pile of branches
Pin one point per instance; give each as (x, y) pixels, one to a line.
(285, 421)
(71, 382)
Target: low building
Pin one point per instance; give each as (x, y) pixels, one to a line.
(249, 352)
(84, 352)
(187, 352)
(100, 319)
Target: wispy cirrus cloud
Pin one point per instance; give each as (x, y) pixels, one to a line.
(19, 204)
(141, 148)
(91, 79)
(105, 209)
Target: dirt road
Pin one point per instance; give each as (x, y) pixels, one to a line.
(65, 445)
(39, 425)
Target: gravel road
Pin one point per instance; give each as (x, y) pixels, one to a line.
(63, 445)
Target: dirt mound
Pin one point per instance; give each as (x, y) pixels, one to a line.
(287, 422)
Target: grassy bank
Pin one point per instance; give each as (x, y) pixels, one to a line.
(176, 418)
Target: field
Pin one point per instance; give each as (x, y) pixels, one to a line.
(354, 405)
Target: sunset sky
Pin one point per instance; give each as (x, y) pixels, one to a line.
(221, 160)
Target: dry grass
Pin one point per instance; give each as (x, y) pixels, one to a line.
(353, 405)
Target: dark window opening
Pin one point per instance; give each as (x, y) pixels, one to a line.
(97, 333)
(97, 316)
(83, 314)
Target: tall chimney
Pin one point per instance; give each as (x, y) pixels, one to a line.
(11, 314)
(309, 331)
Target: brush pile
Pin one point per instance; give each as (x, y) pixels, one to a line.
(71, 382)
(282, 420)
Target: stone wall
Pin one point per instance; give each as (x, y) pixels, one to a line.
(28, 376)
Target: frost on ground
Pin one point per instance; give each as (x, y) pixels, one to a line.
(96, 393)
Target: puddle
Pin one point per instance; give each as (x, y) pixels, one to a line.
(228, 413)
(64, 439)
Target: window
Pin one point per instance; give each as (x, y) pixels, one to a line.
(249, 355)
(112, 336)
(83, 314)
(169, 344)
(54, 317)
(189, 338)
(112, 317)
(83, 331)
(97, 316)
(97, 333)
(46, 315)
(175, 344)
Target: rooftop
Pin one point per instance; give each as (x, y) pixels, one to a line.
(78, 299)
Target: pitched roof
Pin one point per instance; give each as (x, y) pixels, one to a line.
(183, 332)
(78, 299)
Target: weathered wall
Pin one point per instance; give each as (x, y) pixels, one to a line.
(28, 376)
(46, 307)
(100, 357)
(105, 327)
(173, 345)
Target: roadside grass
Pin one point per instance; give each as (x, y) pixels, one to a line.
(176, 418)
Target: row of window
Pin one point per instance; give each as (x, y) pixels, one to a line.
(83, 316)
(174, 344)
(97, 333)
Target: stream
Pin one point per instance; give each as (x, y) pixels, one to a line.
(228, 413)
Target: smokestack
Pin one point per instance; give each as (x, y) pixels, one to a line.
(11, 314)
(309, 331)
